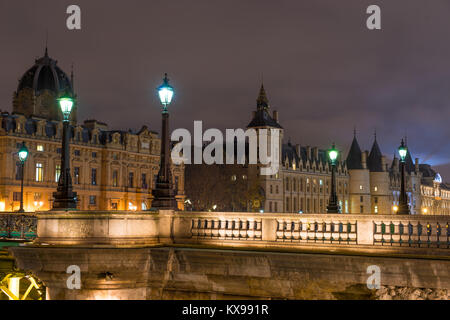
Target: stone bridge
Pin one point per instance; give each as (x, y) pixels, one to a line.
(217, 255)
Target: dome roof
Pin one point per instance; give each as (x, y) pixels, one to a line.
(45, 75)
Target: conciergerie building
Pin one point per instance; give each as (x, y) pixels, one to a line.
(365, 182)
(111, 169)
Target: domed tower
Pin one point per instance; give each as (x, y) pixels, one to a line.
(39, 88)
(359, 180)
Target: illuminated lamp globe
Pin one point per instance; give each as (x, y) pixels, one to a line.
(23, 153)
(165, 92)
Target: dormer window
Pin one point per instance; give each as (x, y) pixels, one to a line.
(40, 147)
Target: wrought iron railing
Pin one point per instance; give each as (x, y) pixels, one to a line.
(18, 225)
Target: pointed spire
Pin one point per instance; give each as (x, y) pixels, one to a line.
(374, 161)
(354, 160)
(262, 103)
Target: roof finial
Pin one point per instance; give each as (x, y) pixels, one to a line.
(262, 102)
(71, 78)
(375, 134)
(354, 132)
(46, 43)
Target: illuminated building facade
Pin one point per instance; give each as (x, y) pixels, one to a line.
(111, 169)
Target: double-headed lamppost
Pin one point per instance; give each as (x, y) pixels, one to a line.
(65, 198)
(23, 155)
(164, 194)
(333, 203)
(403, 207)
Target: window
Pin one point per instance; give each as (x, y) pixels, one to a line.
(77, 153)
(76, 175)
(271, 190)
(361, 199)
(16, 196)
(375, 199)
(276, 189)
(57, 172)
(94, 154)
(360, 187)
(176, 185)
(94, 176)
(92, 200)
(270, 206)
(361, 209)
(375, 189)
(37, 196)
(144, 181)
(233, 177)
(115, 178)
(40, 147)
(376, 209)
(276, 206)
(39, 172)
(18, 170)
(58, 151)
(130, 179)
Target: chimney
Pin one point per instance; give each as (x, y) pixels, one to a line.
(364, 159)
(275, 116)
(396, 165)
(308, 152)
(383, 163)
(297, 149)
(316, 153)
(416, 167)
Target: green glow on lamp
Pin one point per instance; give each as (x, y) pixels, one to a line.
(23, 153)
(333, 154)
(402, 151)
(165, 92)
(66, 104)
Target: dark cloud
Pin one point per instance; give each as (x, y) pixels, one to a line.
(323, 70)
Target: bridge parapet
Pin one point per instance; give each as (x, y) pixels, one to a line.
(235, 229)
(292, 230)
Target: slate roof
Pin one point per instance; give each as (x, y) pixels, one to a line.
(374, 162)
(289, 151)
(262, 117)
(354, 156)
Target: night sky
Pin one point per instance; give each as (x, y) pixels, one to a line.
(323, 70)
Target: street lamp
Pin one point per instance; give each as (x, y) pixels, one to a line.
(65, 198)
(164, 193)
(23, 155)
(333, 203)
(403, 200)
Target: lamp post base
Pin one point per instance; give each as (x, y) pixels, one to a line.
(403, 209)
(164, 197)
(333, 208)
(64, 200)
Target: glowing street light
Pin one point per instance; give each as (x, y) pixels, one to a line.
(23, 155)
(333, 203)
(65, 198)
(403, 207)
(164, 193)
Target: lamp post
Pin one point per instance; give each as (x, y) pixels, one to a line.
(403, 207)
(23, 155)
(65, 198)
(164, 193)
(333, 203)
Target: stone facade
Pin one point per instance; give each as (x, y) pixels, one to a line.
(365, 183)
(111, 169)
